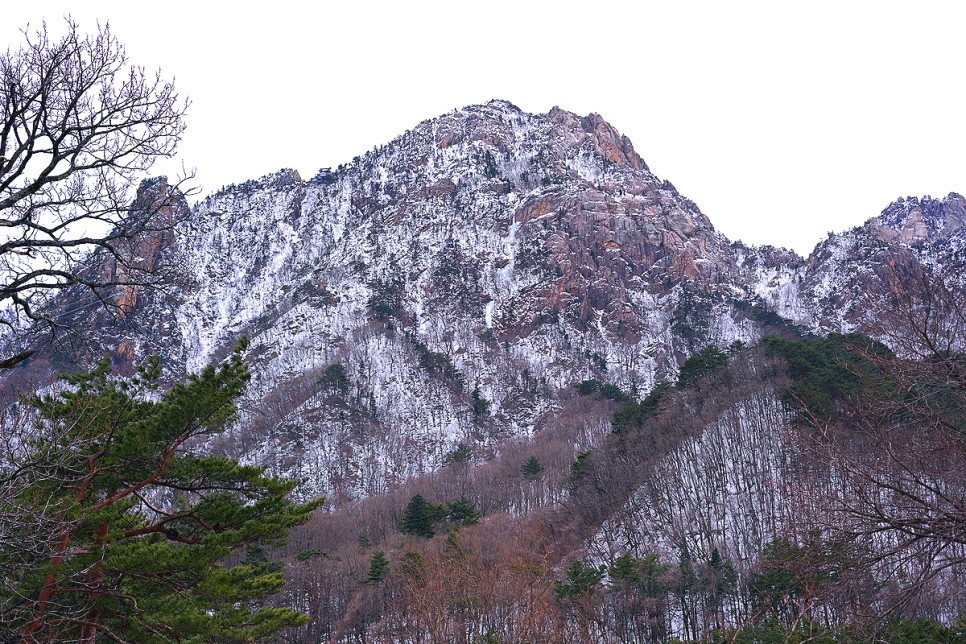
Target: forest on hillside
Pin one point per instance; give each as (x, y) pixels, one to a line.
(805, 489)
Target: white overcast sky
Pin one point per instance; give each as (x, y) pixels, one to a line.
(781, 120)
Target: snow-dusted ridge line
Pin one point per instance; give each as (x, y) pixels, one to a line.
(487, 250)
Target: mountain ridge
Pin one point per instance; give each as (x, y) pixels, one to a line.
(487, 254)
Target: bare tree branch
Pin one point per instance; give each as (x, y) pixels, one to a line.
(899, 449)
(79, 128)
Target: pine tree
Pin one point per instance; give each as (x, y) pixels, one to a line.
(257, 555)
(718, 580)
(687, 583)
(378, 567)
(462, 454)
(453, 548)
(419, 517)
(413, 566)
(481, 406)
(532, 468)
(626, 569)
(721, 578)
(653, 582)
(579, 469)
(334, 379)
(700, 365)
(143, 525)
(581, 580)
(462, 512)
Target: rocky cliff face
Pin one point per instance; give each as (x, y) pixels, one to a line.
(849, 278)
(446, 287)
(488, 255)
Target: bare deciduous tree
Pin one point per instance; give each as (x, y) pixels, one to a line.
(79, 127)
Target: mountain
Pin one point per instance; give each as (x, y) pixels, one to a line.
(849, 276)
(448, 287)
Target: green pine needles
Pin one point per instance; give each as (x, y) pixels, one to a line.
(139, 525)
(421, 517)
(378, 567)
(532, 468)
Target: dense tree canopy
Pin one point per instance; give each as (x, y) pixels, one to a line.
(138, 524)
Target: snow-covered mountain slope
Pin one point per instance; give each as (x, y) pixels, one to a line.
(445, 287)
(728, 467)
(849, 278)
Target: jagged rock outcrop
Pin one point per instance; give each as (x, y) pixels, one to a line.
(912, 220)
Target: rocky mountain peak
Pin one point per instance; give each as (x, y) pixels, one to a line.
(915, 219)
(606, 141)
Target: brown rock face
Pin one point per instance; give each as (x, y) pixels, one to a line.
(136, 261)
(599, 251)
(611, 144)
(915, 220)
(588, 227)
(610, 230)
(120, 320)
(608, 143)
(592, 228)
